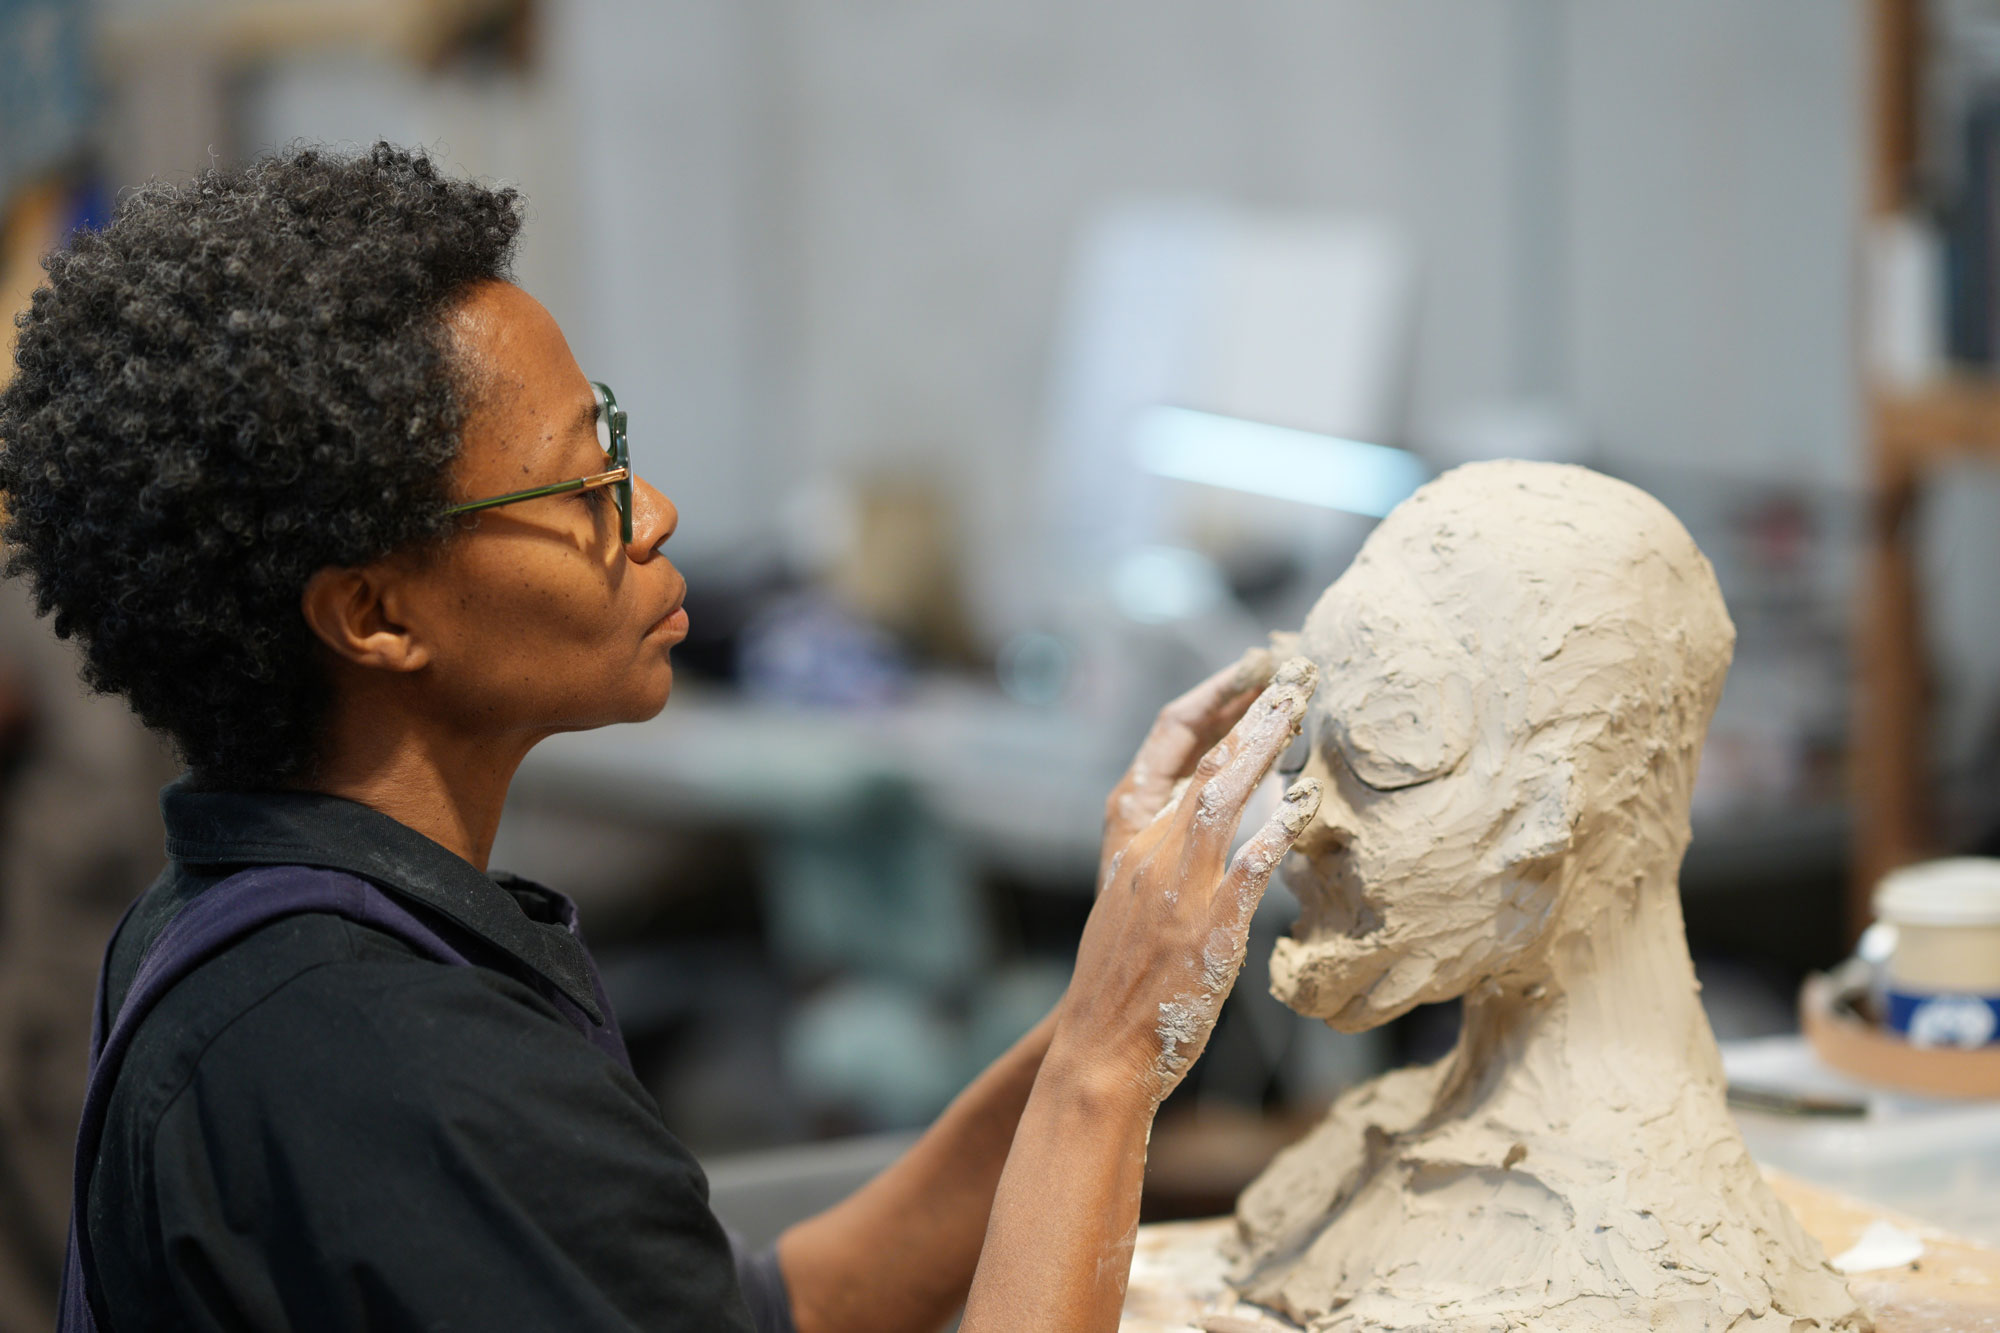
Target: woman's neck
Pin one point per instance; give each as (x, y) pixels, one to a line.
(447, 786)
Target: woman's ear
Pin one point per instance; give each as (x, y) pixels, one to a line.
(354, 612)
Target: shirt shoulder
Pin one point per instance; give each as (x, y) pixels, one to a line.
(330, 1131)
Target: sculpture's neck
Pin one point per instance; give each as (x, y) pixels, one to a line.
(1611, 1018)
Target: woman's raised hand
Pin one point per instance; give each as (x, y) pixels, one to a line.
(1166, 937)
(1162, 948)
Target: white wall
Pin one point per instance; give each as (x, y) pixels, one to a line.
(678, 244)
(947, 157)
(809, 237)
(1714, 180)
(1644, 208)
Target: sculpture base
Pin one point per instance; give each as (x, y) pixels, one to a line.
(1953, 1287)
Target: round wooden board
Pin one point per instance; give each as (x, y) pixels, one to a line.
(1881, 1059)
(1177, 1274)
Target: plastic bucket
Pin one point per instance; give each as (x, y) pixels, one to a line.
(1941, 984)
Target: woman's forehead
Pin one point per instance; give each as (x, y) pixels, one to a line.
(530, 404)
(508, 343)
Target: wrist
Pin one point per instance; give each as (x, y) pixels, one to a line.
(1088, 1081)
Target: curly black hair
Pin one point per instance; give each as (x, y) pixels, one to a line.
(241, 380)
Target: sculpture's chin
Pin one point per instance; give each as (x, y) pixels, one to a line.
(1331, 979)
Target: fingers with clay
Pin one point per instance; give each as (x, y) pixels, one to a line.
(1187, 1019)
(1230, 772)
(1184, 729)
(1224, 780)
(1166, 935)
(1251, 870)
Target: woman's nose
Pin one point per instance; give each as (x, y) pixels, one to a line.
(654, 519)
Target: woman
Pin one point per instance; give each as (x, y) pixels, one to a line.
(329, 500)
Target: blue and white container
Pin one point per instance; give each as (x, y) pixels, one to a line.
(1941, 985)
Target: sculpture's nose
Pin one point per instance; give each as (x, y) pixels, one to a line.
(1332, 829)
(1323, 836)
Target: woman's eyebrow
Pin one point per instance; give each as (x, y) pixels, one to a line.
(586, 419)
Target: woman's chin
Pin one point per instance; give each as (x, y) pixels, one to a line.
(655, 697)
(644, 695)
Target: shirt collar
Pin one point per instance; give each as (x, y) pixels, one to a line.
(234, 828)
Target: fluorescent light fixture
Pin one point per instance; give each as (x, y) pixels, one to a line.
(1301, 465)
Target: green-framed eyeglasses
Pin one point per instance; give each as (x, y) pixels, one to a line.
(611, 435)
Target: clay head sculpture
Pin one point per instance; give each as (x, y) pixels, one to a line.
(1516, 676)
(1524, 657)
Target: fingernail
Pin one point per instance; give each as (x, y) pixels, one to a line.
(1301, 804)
(1292, 688)
(1296, 671)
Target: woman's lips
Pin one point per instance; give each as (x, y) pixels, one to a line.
(673, 625)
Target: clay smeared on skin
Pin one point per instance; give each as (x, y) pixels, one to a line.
(1252, 671)
(1519, 669)
(1186, 1019)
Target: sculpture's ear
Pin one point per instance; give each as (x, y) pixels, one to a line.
(1544, 824)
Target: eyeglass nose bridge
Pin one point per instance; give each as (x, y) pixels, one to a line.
(620, 450)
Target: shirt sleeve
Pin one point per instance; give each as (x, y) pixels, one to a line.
(763, 1283)
(392, 1146)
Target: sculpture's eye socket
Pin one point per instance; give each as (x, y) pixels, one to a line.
(1293, 761)
(1404, 730)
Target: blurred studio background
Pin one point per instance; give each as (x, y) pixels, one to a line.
(1015, 364)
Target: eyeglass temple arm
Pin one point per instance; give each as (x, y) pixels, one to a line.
(596, 479)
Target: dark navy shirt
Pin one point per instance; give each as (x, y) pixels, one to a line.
(321, 1130)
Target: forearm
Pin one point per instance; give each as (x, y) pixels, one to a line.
(1164, 938)
(1059, 1246)
(900, 1253)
